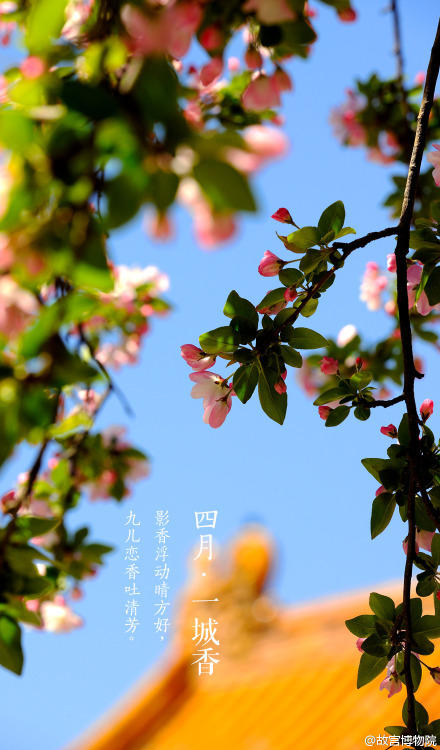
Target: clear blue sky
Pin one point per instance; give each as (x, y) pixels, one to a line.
(251, 468)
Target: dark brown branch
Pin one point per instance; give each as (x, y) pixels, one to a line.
(348, 247)
(397, 40)
(402, 249)
(385, 404)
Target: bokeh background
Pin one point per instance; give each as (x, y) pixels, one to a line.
(302, 481)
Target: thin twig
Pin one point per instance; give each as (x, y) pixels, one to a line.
(385, 404)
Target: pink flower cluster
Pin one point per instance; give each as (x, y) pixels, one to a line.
(392, 681)
(373, 284)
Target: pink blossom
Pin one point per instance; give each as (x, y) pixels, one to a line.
(359, 643)
(309, 379)
(392, 681)
(435, 674)
(372, 286)
(324, 411)
(347, 14)
(270, 265)
(262, 93)
(346, 128)
(270, 11)
(329, 366)
(17, 307)
(58, 617)
(434, 158)
(391, 263)
(170, 29)
(211, 71)
(390, 307)
(196, 358)
(212, 228)
(419, 78)
(160, 227)
(77, 13)
(414, 276)
(216, 394)
(426, 408)
(280, 385)
(263, 143)
(424, 538)
(282, 80)
(33, 67)
(380, 490)
(390, 431)
(283, 215)
(290, 294)
(9, 502)
(183, 20)
(233, 64)
(253, 58)
(346, 334)
(211, 38)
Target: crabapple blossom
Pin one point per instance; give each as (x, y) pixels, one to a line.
(211, 71)
(324, 411)
(392, 681)
(77, 13)
(262, 143)
(33, 67)
(283, 215)
(434, 158)
(380, 490)
(426, 409)
(346, 334)
(347, 14)
(196, 358)
(423, 540)
(359, 643)
(270, 265)
(414, 276)
(211, 38)
(329, 366)
(391, 263)
(17, 307)
(290, 294)
(282, 80)
(280, 385)
(261, 93)
(253, 58)
(343, 119)
(372, 286)
(390, 431)
(435, 674)
(216, 394)
(57, 616)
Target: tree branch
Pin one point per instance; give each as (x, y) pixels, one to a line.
(402, 249)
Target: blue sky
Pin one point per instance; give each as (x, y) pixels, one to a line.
(251, 468)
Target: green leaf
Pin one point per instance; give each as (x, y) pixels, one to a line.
(272, 298)
(245, 381)
(362, 625)
(432, 287)
(11, 654)
(362, 413)
(94, 552)
(309, 308)
(396, 731)
(239, 306)
(422, 644)
(274, 404)
(337, 416)
(71, 425)
(46, 19)
(426, 585)
(361, 379)
(305, 338)
(333, 394)
(435, 549)
(305, 237)
(27, 527)
(290, 276)
(374, 465)
(220, 340)
(420, 711)
(332, 219)
(344, 232)
(310, 260)
(429, 626)
(291, 356)
(434, 208)
(415, 667)
(381, 513)
(403, 431)
(298, 32)
(370, 667)
(382, 606)
(225, 187)
(374, 645)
